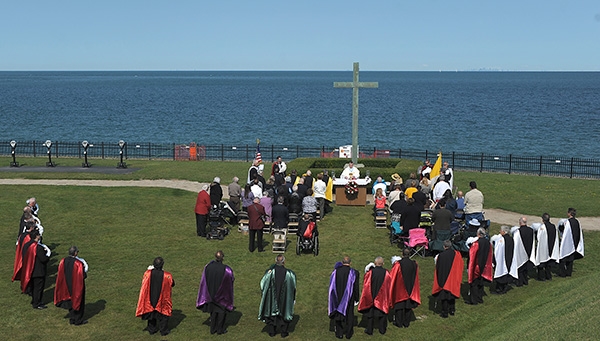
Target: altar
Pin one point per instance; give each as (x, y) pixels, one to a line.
(357, 199)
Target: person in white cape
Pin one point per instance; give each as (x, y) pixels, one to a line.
(571, 244)
(503, 255)
(547, 251)
(524, 253)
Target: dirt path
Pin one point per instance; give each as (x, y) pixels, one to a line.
(495, 215)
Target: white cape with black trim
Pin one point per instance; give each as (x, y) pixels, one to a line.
(520, 255)
(501, 268)
(567, 246)
(542, 253)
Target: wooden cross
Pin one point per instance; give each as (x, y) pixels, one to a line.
(355, 84)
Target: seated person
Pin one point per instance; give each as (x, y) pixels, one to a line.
(379, 199)
(379, 183)
(295, 203)
(441, 218)
(307, 224)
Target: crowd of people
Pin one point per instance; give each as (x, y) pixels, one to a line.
(505, 259)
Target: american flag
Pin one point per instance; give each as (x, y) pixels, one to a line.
(258, 156)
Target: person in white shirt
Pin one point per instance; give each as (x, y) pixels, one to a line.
(350, 172)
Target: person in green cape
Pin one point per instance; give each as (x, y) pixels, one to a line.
(278, 287)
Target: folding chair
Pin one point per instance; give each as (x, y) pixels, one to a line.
(279, 240)
(418, 242)
(381, 218)
(293, 223)
(243, 222)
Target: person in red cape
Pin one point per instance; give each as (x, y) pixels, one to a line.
(69, 292)
(155, 304)
(33, 272)
(375, 300)
(480, 267)
(447, 278)
(405, 293)
(23, 239)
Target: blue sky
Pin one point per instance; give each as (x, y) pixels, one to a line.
(389, 35)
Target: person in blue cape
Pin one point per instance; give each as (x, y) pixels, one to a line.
(215, 295)
(278, 287)
(343, 293)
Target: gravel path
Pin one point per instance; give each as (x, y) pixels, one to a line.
(495, 215)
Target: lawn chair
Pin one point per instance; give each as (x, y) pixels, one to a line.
(279, 240)
(381, 218)
(418, 242)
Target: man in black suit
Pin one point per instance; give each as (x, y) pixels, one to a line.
(33, 279)
(280, 215)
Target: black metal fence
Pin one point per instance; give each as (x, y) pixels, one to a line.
(542, 165)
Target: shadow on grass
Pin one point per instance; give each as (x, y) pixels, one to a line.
(232, 319)
(176, 317)
(291, 326)
(93, 309)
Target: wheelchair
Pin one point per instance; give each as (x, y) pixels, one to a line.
(304, 243)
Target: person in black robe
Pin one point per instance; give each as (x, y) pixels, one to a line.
(527, 237)
(216, 192)
(447, 278)
(411, 216)
(216, 293)
(375, 299)
(545, 268)
(344, 323)
(575, 244)
(502, 282)
(280, 215)
(405, 281)
(39, 255)
(69, 291)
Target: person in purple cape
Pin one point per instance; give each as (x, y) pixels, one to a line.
(215, 295)
(343, 293)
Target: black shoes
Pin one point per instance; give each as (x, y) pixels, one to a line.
(41, 307)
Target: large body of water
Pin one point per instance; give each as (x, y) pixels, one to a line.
(520, 113)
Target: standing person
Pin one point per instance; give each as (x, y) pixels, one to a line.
(547, 251)
(448, 173)
(24, 238)
(343, 293)
(215, 295)
(447, 278)
(405, 294)
(35, 208)
(523, 257)
(571, 245)
(256, 212)
(375, 299)
(309, 204)
(473, 203)
(319, 188)
(202, 209)
(278, 288)
(216, 192)
(155, 303)
(33, 272)
(440, 188)
(247, 197)
(253, 171)
(503, 257)
(350, 172)
(69, 292)
(480, 267)
(278, 167)
(235, 193)
(280, 214)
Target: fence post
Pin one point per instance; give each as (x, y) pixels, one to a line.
(272, 154)
(541, 160)
(509, 163)
(79, 149)
(149, 151)
(297, 151)
(322, 151)
(572, 159)
(222, 152)
(102, 145)
(426, 154)
(453, 159)
(56, 149)
(173, 149)
(481, 165)
(400, 153)
(246, 153)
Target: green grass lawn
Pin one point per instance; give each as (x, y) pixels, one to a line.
(120, 230)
